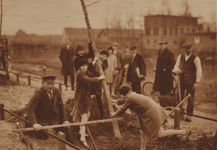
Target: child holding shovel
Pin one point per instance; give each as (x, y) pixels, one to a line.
(151, 115)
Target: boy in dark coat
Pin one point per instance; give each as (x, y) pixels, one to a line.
(81, 106)
(136, 71)
(96, 88)
(165, 63)
(66, 57)
(46, 108)
(151, 115)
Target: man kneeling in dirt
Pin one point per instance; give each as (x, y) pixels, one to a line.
(46, 108)
(151, 115)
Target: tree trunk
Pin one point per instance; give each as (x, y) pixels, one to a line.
(105, 87)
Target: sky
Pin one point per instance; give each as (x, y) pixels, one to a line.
(46, 17)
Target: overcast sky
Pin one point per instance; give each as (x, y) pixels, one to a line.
(51, 16)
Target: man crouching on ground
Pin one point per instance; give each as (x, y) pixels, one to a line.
(46, 108)
(151, 115)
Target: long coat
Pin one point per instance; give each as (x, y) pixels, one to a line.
(82, 93)
(163, 79)
(66, 57)
(110, 70)
(151, 115)
(137, 62)
(42, 110)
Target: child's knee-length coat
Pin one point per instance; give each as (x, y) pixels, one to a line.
(151, 114)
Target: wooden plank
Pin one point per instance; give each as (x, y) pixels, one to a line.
(61, 145)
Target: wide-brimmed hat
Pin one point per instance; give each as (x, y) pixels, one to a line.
(187, 45)
(49, 77)
(162, 42)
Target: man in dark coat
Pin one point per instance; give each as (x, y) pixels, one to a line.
(66, 57)
(46, 108)
(136, 71)
(165, 63)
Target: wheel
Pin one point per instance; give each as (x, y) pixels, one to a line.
(147, 88)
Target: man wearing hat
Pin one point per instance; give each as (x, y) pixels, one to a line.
(136, 71)
(165, 63)
(189, 67)
(46, 108)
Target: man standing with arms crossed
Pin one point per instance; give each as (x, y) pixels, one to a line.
(189, 67)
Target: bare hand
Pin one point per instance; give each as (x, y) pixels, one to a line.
(195, 85)
(66, 122)
(102, 77)
(112, 114)
(96, 58)
(37, 127)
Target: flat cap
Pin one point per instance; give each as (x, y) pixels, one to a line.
(162, 42)
(82, 62)
(115, 44)
(79, 46)
(49, 77)
(187, 45)
(104, 52)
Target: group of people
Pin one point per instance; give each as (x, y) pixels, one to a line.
(6, 54)
(187, 66)
(46, 106)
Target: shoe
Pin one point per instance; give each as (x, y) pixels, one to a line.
(188, 119)
(84, 143)
(187, 134)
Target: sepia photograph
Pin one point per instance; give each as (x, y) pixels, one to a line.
(108, 75)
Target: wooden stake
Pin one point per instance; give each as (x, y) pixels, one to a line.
(61, 145)
(29, 80)
(18, 77)
(177, 118)
(2, 116)
(88, 130)
(71, 124)
(60, 88)
(105, 87)
(214, 142)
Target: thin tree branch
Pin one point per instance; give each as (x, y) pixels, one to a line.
(93, 3)
(11, 7)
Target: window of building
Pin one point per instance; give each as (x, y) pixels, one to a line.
(182, 30)
(155, 31)
(193, 30)
(187, 29)
(171, 31)
(176, 31)
(147, 41)
(148, 31)
(165, 31)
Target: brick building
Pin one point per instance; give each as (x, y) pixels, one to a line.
(171, 28)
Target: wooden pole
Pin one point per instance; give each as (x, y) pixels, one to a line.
(60, 88)
(71, 124)
(18, 77)
(214, 142)
(61, 145)
(105, 87)
(177, 118)
(2, 116)
(94, 144)
(29, 80)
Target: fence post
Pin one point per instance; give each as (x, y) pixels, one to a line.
(61, 145)
(2, 116)
(177, 118)
(60, 88)
(18, 77)
(29, 80)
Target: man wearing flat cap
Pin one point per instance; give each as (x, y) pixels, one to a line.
(165, 63)
(46, 108)
(189, 67)
(136, 71)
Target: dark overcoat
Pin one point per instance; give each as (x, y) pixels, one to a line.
(66, 57)
(41, 110)
(132, 75)
(163, 79)
(151, 115)
(82, 93)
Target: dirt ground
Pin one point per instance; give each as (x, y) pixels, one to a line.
(16, 96)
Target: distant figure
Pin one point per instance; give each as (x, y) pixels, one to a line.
(46, 108)
(151, 115)
(136, 71)
(165, 63)
(7, 54)
(189, 67)
(110, 70)
(66, 57)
